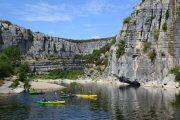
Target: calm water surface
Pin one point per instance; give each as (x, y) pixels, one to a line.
(113, 103)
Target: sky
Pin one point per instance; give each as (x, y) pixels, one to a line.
(75, 19)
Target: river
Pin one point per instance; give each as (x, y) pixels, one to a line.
(113, 103)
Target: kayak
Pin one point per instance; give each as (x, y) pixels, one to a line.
(36, 93)
(51, 102)
(67, 96)
(87, 96)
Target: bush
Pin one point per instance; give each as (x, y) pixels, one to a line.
(167, 14)
(152, 55)
(22, 72)
(113, 41)
(147, 46)
(6, 69)
(30, 34)
(164, 27)
(127, 20)
(156, 34)
(12, 53)
(121, 49)
(27, 85)
(176, 72)
(15, 84)
(67, 74)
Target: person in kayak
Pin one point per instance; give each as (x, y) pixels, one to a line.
(44, 99)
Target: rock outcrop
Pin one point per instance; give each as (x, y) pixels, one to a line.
(36, 44)
(46, 53)
(152, 43)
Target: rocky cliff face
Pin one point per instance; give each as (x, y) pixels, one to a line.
(152, 43)
(39, 45)
(46, 53)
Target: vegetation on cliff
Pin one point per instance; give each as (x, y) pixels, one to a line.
(176, 71)
(97, 56)
(10, 64)
(121, 49)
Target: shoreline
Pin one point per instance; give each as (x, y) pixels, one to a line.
(53, 85)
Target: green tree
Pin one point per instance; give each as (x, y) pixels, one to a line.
(121, 49)
(12, 53)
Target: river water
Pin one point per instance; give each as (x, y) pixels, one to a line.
(113, 103)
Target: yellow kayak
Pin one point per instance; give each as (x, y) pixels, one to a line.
(87, 96)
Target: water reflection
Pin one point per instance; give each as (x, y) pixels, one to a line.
(113, 103)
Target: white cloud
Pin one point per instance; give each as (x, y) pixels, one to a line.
(45, 12)
(48, 12)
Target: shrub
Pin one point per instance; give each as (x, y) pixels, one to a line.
(113, 41)
(15, 84)
(67, 74)
(30, 34)
(152, 55)
(121, 49)
(167, 14)
(147, 46)
(6, 69)
(176, 71)
(156, 34)
(23, 70)
(27, 85)
(12, 53)
(164, 27)
(127, 20)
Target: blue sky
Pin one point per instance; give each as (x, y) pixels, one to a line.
(77, 19)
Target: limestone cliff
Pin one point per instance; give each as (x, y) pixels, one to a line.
(152, 44)
(37, 44)
(46, 53)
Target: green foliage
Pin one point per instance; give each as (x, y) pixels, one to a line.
(143, 1)
(176, 71)
(67, 74)
(12, 53)
(152, 55)
(15, 84)
(127, 20)
(113, 40)
(167, 14)
(30, 34)
(178, 10)
(164, 27)
(27, 85)
(23, 70)
(156, 34)
(5, 69)
(147, 46)
(121, 49)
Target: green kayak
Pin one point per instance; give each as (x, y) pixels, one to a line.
(51, 102)
(36, 93)
(67, 96)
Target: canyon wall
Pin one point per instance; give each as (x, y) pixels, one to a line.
(152, 44)
(45, 53)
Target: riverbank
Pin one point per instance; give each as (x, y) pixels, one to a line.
(53, 85)
(45, 86)
(6, 89)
